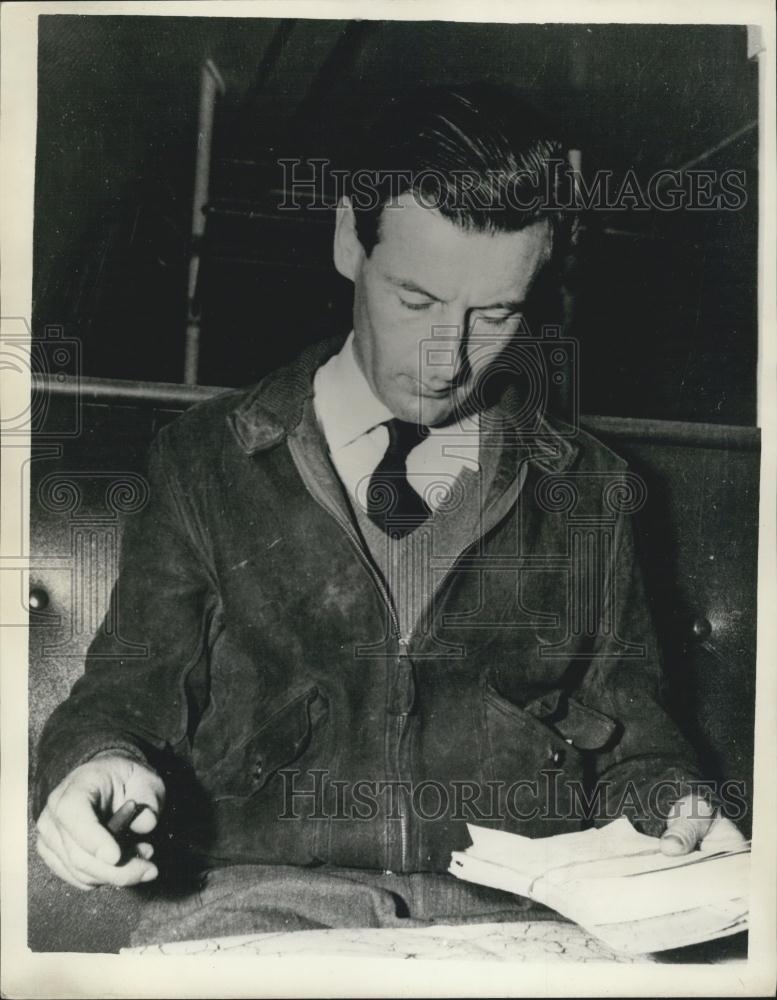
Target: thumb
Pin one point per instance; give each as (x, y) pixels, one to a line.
(688, 822)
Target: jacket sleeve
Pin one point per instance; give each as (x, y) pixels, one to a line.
(647, 764)
(146, 669)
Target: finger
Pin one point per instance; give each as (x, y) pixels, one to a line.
(89, 868)
(144, 822)
(146, 788)
(59, 869)
(689, 820)
(75, 816)
(45, 825)
(145, 850)
(723, 835)
(50, 834)
(683, 835)
(57, 843)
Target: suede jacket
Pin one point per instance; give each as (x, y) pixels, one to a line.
(256, 662)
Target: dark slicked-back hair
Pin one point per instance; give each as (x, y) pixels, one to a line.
(477, 153)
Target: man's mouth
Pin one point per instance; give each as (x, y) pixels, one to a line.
(429, 392)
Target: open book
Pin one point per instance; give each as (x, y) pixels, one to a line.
(616, 883)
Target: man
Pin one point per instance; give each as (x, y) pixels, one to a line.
(369, 608)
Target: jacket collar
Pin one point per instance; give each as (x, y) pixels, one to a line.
(546, 440)
(273, 410)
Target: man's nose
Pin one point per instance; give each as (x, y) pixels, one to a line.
(443, 359)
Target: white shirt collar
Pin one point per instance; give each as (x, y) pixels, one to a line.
(346, 405)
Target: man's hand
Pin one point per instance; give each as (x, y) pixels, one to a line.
(692, 823)
(72, 839)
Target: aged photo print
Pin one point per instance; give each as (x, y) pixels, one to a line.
(388, 472)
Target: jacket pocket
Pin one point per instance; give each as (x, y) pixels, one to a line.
(580, 726)
(538, 775)
(282, 739)
(522, 745)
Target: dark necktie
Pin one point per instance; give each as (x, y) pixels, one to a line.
(392, 503)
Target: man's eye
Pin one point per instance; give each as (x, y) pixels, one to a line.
(414, 305)
(496, 319)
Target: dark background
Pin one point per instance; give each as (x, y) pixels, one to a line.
(663, 304)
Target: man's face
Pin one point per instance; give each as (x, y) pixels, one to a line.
(434, 305)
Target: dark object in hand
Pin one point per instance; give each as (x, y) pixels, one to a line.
(119, 827)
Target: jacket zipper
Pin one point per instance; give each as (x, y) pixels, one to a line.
(404, 819)
(403, 642)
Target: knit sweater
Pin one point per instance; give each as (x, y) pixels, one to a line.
(413, 565)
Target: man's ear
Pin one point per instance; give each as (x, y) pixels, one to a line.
(348, 251)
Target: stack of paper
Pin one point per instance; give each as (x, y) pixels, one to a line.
(616, 883)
